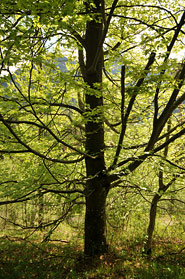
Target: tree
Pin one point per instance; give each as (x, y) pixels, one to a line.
(84, 117)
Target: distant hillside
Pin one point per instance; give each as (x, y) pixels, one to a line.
(60, 62)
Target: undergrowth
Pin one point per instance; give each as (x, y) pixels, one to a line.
(23, 258)
(23, 254)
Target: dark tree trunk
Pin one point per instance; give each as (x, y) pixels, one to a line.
(151, 226)
(97, 187)
(156, 198)
(95, 220)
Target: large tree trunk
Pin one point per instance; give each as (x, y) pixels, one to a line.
(97, 188)
(95, 221)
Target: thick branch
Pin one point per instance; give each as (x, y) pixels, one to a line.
(171, 105)
(169, 49)
(125, 117)
(73, 191)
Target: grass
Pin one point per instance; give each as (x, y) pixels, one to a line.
(23, 255)
(29, 259)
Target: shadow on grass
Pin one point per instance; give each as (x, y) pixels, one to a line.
(158, 271)
(27, 259)
(23, 259)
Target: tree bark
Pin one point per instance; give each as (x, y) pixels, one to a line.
(95, 220)
(151, 226)
(156, 198)
(97, 186)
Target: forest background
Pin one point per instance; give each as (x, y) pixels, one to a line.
(92, 135)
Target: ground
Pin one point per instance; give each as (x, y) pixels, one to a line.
(23, 258)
